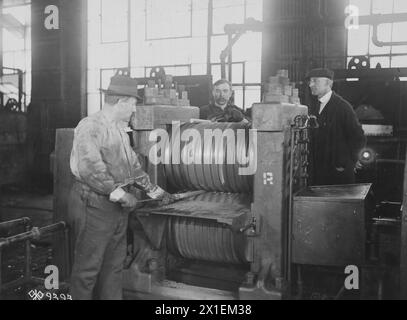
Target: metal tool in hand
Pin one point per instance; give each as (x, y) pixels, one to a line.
(178, 196)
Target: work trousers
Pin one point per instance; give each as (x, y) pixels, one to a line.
(99, 229)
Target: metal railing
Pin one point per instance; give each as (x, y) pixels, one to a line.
(29, 235)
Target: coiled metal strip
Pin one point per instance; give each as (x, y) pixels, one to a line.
(205, 240)
(208, 175)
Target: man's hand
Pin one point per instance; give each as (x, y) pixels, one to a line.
(166, 199)
(358, 166)
(129, 201)
(161, 195)
(235, 116)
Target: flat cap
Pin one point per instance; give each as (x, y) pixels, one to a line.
(321, 73)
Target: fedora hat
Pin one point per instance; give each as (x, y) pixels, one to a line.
(122, 85)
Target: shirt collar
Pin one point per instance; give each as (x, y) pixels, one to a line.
(214, 104)
(108, 120)
(325, 99)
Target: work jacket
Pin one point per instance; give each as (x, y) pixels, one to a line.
(102, 157)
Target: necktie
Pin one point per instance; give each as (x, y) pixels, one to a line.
(318, 108)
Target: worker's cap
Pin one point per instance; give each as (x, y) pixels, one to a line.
(122, 85)
(320, 73)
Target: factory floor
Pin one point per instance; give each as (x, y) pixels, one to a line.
(17, 202)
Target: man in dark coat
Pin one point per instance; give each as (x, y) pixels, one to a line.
(337, 143)
(221, 109)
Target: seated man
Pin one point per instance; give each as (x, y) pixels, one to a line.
(221, 110)
(105, 168)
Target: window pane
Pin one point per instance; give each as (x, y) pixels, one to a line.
(94, 23)
(19, 60)
(12, 41)
(253, 95)
(384, 62)
(400, 6)
(399, 62)
(21, 13)
(216, 73)
(226, 12)
(399, 34)
(15, 2)
(198, 69)
(137, 72)
(219, 43)
(8, 60)
(358, 41)
(384, 35)
(253, 72)
(168, 19)
(198, 50)
(151, 53)
(199, 18)
(382, 6)
(113, 55)
(362, 5)
(114, 20)
(237, 73)
(238, 96)
(171, 70)
(248, 47)
(254, 9)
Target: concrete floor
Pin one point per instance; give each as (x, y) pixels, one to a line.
(16, 203)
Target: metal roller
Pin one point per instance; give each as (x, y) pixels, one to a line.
(208, 175)
(205, 240)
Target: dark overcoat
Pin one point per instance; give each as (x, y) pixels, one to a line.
(337, 143)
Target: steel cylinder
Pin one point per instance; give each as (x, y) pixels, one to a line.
(208, 156)
(207, 240)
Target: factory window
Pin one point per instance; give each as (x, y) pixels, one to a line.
(114, 21)
(246, 67)
(168, 19)
(108, 45)
(180, 70)
(172, 34)
(360, 40)
(16, 50)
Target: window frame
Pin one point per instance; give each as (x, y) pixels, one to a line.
(128, 25)
(146, 37)
(370, 55)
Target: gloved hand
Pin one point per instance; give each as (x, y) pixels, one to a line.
(159, 194)
(129, 201)
(166, 199)
(234, 115)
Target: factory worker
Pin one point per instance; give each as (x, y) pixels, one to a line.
(106, 170)
(221, 109)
